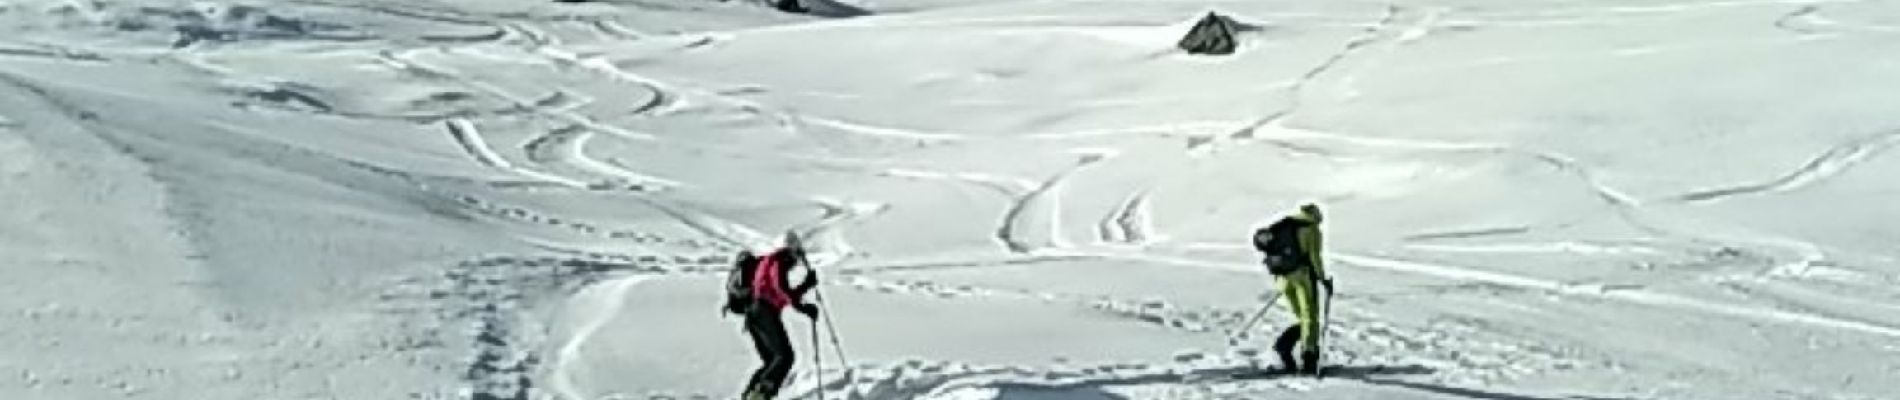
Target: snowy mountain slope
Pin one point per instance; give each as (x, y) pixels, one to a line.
(1011, 199)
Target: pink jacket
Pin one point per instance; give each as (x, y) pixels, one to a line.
(768, 283)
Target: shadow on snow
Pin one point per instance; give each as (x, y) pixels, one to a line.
(1380, 375)
(1092, 388)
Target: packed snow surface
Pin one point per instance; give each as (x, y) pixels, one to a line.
(1006, 199)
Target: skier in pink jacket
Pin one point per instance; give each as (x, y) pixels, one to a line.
(760, 289)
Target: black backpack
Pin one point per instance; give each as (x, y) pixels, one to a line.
(739, 283)
(1280, 244)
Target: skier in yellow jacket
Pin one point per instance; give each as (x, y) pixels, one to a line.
(1292, 248)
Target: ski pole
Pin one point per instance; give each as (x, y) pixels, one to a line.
(819, 294)
(1233, 337)
(836, 343)
(817, 361)
(1325, 319)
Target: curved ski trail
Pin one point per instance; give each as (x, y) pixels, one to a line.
(605, 301)
(470, 139)
(1833, 162)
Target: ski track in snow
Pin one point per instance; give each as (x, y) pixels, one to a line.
(464, 133)
(1128, 223)
(962, 263)
(618, 31)
(1625, 293)
(1606, 193)
(567, 145)
(504, 348)
(736, 234)
(1203, 146)
(1045, 201)
(482, 294)
(51, 52)
(1804, 14)
(1657, 9)
(403, 63)
(1636, 296)
(1123, 225)
(1120, 226)
(571, 139)
(825, 238)
(785, 118)
(1558, 247)
(1007, 186)
(1628, 207)
(1372, 35)
(1411, 33)
(605, 300)
(1469, 233)
(1816, 20)
(493, 294)
(416, 12)
(1833, 162)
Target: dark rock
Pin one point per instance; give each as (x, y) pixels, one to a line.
(1213, 35)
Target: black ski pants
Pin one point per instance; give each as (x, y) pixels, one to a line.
(775, 350)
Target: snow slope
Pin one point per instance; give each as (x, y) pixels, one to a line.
(1011, 199)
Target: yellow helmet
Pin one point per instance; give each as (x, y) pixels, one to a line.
(1311, 212)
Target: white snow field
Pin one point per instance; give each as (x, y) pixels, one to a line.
(1008, 199)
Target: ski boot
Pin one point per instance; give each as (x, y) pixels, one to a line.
(1309, 363)
(762, 391)
(1283, 347)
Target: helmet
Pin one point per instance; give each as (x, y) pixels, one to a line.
(794, 245)
(1310, 211)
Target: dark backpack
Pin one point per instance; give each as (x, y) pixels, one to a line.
(1280, 244)
(739, 283)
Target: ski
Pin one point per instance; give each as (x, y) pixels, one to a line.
(1277, 373)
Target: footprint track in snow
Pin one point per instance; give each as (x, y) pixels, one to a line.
(521, 214)
(1209, 374)
(479, 308)
(52, 52)
(492, 295)
(1154, 311)
(1469, 349)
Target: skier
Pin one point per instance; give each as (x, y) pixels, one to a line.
(1291, 249)
(759, 289)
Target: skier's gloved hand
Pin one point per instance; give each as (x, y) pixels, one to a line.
(1329, 284)
(810, 311)
(811, 281)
